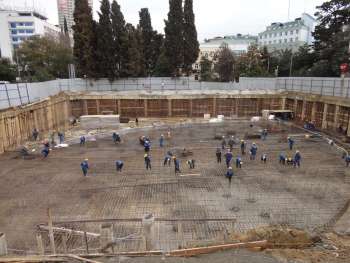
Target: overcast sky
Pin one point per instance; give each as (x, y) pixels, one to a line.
(213, 17)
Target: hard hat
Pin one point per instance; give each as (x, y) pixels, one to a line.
(161, 135)
(230, 168)
(297, 151)
(86, 159)
(145, 155)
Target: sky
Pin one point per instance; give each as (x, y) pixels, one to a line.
(213, 17)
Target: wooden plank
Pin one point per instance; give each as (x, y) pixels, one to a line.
(30, 259)
(68, 231)
(51, 236)
(211, 249)
(82, 259)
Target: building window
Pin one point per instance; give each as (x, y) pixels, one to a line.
(286, 33)
(280, 41)
(14, 39)
(21, 24)
(270, 35)
(15, 46)
(28, 23)
(275, 34)
(291, 32)
(206, 55)
(269, 42)
(21, 31)
(274, 41)
(196, 66)
(265, 36)
(280, 33)
(296, 39)
(285, 41)
(13, 25)
(291, 40)
(297, 31)
(14, 32)
(29, 31)
(260, 37)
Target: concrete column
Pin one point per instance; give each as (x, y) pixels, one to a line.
(85, 108)
(284, 103)
(336, 116)
(170, 112)
(313, 112)
(145, 105)
(214, 107)
(98, 107)
(324, 118)
(40, 244)
(303, 111)
(119, 107)
(191, 107)
(295, 106)
(3, 245)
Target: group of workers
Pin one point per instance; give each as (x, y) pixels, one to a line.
(283, 159)
(229, 145)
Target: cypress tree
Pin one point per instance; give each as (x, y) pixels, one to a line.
(134, 65)
(163, 67)
(65, 26)
(120, 39)
(191, 45)
(156, 47)
(145, 27)
(83, 33)
(174, 36)
(105, 43)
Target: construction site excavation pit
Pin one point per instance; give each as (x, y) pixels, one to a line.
(137, 210)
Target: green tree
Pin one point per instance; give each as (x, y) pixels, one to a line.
(191, 45)
(225, 63)
(65, 27)
(44, 58)
(157, 43)
(251, 64)
(303, 61)
(120, 38)
(7, 70)
(174, 36)
(83, 35)
(206, 71)
(147, 33)
(105, 49)
(331, 43)
(134, 65)
(163, 67)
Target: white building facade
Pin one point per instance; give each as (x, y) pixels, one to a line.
(66, 10)
(239, 44)
(17, 26)
(288, 35)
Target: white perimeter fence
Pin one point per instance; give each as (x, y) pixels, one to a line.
(23, 93)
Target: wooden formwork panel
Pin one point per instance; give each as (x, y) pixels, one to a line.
(91, 107)
(330, 113)
(201, 107)
(132, 108)
(290, 104)
(343, 116)
(108, 106)
(319, 109)
(248, 107)
(299, 110)
(180, 108)
(77, 108)
(226, 107)
(308, 110)
(157, 108)
(270, 104)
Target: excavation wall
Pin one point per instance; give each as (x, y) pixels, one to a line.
(16, 124)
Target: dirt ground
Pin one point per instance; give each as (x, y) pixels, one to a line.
(311, 198)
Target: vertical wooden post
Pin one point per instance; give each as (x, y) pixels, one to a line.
(145, 106)
(336, 116)
(170, 112)
(191, 107)
(39, 241)
(119, 106)
(303, 110)
(64, 243)
(51, 235)
(98, 107)
(86, 243)
(284, 101)
(313, 112)
(324, 117)
(214, 107)
(85, 107)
